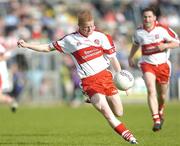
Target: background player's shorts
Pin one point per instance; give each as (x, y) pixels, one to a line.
(99, 83)
(161, 71)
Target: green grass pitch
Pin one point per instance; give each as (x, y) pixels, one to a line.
(84, 126)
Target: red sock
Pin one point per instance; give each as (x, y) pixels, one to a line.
(156, 118)
(124, 132)
(120, 128)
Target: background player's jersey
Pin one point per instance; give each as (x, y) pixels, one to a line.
(4, 75)
(90, 54)
(150, 40)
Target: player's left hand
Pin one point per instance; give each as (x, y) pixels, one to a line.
(131, 62)
(162, 46)
(21, 43)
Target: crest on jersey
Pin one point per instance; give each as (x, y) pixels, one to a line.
(78, 43)
(96, 41)
(157, 36)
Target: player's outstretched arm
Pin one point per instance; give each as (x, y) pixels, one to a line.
(35, 47)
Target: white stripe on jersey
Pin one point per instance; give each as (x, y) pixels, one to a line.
(90, 54)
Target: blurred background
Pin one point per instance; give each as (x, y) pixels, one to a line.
(39, 78)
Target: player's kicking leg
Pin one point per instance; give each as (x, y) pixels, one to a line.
(115, 104)
(100, 103)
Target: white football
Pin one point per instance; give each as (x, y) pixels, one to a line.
(124, 80)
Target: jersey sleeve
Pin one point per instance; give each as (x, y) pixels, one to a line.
(136, 39)
(61, 45)
(108, 46)
(171, 36)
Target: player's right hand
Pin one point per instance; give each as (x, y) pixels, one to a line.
(131, 62)
(21, 43)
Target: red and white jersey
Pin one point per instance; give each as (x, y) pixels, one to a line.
(148, 40)
(90, 54)
(2, 49)
(4, 75)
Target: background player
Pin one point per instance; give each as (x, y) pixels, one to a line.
(4, 80)
(155, 41)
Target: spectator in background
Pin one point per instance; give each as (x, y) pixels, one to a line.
(155, 41)
(5, 81)
(92, 53)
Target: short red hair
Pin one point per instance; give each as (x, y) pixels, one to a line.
(84, 16)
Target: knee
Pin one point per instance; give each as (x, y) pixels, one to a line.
(119, 113)
(151, 94)
(163, 96)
